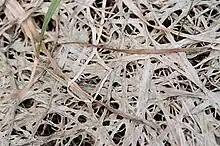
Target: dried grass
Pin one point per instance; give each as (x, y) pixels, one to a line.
(81, 95)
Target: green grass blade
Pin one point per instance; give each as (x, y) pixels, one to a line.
(51, 10)
(53, 6)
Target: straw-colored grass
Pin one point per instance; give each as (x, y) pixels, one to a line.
(76, 93)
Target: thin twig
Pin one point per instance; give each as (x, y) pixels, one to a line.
(141, 51)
